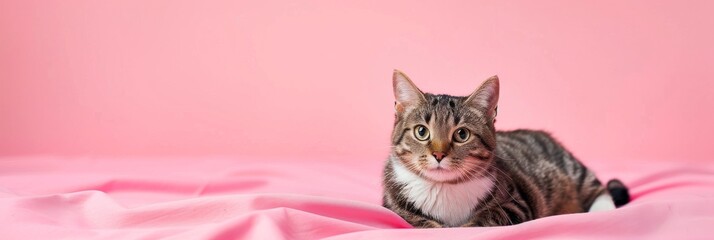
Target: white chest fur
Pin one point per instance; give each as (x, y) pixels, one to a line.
(450, 203)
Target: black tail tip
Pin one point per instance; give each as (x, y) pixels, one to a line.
(618, 191)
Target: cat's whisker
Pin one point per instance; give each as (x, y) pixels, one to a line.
(497, 186)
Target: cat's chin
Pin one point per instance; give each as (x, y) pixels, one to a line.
(441, 175)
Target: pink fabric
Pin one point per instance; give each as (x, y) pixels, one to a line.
(261, 198)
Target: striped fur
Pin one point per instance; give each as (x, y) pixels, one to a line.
(493, 178)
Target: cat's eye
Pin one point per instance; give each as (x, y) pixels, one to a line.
(462, 135)
(421, 132)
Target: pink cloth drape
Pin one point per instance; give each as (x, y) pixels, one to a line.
(250, 198)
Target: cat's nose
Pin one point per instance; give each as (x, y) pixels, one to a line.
(438, 156)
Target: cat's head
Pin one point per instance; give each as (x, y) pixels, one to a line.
(444, 138)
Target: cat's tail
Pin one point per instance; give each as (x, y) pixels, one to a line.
(618, 191)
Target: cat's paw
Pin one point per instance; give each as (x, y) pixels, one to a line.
(428, 224)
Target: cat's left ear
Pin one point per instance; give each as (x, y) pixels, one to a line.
(485, 98)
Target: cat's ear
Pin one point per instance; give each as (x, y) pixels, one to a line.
(407, 94)
(485, 98)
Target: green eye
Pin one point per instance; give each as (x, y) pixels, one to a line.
(421, 132)
(462, 135)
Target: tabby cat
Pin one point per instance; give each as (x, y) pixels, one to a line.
(449, 167)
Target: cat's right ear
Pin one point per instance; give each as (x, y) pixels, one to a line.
(406, 94)
(485, 98)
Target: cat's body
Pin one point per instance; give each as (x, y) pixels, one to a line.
(450, 168)
(508, 193)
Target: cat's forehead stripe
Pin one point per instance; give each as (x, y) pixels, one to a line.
(427, 117)
(443, 110)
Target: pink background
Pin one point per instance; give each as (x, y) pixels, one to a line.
(616, 80)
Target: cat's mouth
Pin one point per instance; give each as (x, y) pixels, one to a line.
(440, 169)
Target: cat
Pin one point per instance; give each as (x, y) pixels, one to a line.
(449, 167)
